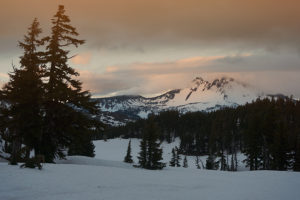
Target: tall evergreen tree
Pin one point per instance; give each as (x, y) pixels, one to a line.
(82, 145)
(178, 158)
(253, 143)
(128, 157)
(211, 162)
(143, 153)
(24, 93)
(297, 156)
(197, 162)
(185, 162)
(297, 138)
(68, 109)
(151, 153)
(173, 158)
(280, 159)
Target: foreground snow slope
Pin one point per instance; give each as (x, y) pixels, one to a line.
(91, 182)
(107, 177)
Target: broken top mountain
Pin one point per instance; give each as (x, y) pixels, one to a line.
(202, 95)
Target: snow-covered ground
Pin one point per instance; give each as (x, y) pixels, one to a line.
(106, 177)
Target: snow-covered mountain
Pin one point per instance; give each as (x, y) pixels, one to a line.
(202, 95)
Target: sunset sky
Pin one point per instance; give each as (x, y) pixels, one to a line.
(150, 46)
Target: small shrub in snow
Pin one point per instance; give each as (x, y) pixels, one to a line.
(33, 163)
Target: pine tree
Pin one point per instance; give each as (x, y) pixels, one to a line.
(297, 145)
(23, 93)
(210, 162)
(143, 153)
(151, 153)
(128, 157)
(297, 156)
(253, 142)
(154, 150)
(185, 162)
(68, 109)
(82, 145)
(223, 162)
(197, 162)
(234, 162)
(156, 157)
(279, 151)
(173, 159)
(178, 158)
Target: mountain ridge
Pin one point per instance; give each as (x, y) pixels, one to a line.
(202, 95)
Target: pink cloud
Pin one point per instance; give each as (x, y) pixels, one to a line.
(153, 78)
(147, 78)
(82, 59)
(111, 69)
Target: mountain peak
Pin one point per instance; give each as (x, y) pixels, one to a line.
(202, 95)
(218, 83)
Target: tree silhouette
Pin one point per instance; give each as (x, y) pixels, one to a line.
(24, 95)
(128, 157)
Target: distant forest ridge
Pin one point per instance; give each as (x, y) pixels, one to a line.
(267, 131)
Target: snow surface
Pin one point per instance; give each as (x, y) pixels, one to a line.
(106, 177)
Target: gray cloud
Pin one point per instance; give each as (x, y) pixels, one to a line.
(288, 61)
(157, 45)
(121, 24)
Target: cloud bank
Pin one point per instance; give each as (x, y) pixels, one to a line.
(152, 78)
(145, 47)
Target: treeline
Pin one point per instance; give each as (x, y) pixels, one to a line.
(43, 108)
(267, 131)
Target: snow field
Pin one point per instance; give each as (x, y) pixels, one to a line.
(77, 182)
(106, 177)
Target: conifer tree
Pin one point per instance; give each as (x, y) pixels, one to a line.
(234, 162)
(173, 161)
(210, 162)
(297, 145)
(150, 155)
(82, 145)
(143, 153)
(142, 158)
(128, 157)
(178, 158)
(154, 150)
(185, 162)
(156, 157)
(68, 109)
(297, 156)
(222, 162)
(197, 163)
(280, 156)
(253, 143)
(23, 93)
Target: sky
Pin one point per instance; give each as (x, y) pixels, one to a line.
(147, 47)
